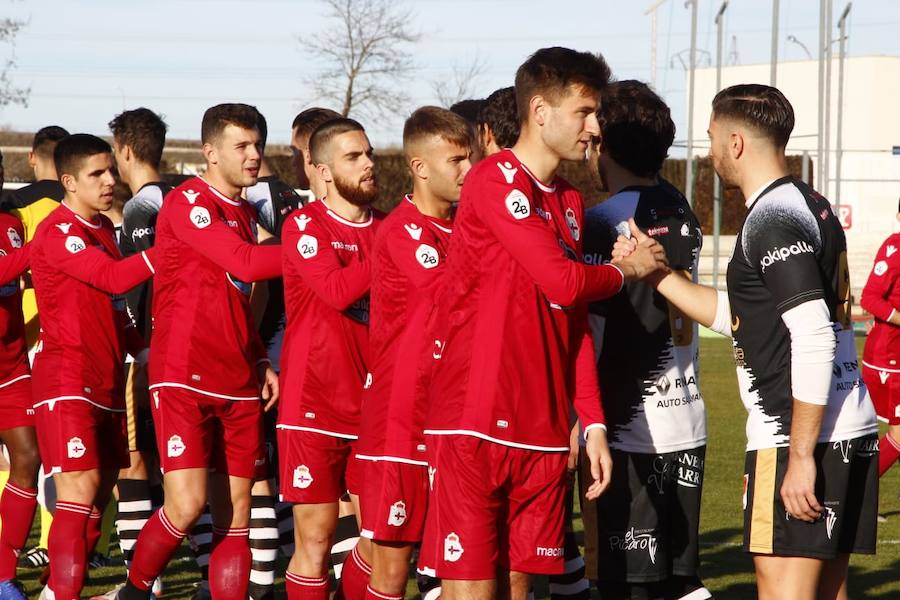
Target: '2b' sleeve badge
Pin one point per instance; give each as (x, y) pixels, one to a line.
(427, 256)
(518, 205)
(75, 244)
(200, 217)
(307, 246)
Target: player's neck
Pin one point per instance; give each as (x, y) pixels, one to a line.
(761, 171)
(540, 161)
(213, 178)
(429, 204)
(80, 208)
(141, 175)
(346, 210)
(264, 169)
(619, 178)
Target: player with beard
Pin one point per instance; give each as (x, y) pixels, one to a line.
(811, 470)
(407, 263)
(208, 367)
(513, 348)
(326, 253)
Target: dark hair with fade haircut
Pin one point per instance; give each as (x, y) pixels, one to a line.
(636, 127)
(468, 109)
(432, 121)
(218, 117)
(323, 135)
(760, 107)
(143, 131)
(307, 120)
(71, 152)
(46, 138)
(500, 114)
(549, 72)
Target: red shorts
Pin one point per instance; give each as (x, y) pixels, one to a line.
(74, 435)
(315, 468)
(194, 431)
(493, 506)
(394, 500)
(16, 403)
(884, 389)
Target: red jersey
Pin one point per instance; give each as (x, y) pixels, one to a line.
(880, 297)
(204, 337)
(511, 335)
(409, 257)
(14, 259)
(79, 280)
(326, 292)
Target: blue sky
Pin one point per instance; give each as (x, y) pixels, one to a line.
(86, 60)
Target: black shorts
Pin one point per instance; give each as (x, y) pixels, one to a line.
(139, 428)
(645, 527)
(846, 485)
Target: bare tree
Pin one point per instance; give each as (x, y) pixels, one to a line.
(10, 94)
(461, 83)
(367, 56)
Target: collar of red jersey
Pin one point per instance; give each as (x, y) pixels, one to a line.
(80, 218)
(409, 199)
(347, 222)
(220, 194)
(543, 186)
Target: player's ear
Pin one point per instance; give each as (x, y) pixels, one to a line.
(537, 108)
(31, 159)
(307, 157)
(210, 154)
(68, 183)
(324, 172)
(736, 144)
(418, 167)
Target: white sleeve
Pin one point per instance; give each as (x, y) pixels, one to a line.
(812, 351)
(722, 323)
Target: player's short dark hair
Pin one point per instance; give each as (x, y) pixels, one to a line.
(143, 131)
(217, 118)
(500, 114)
(46, 138)
(306, 121)
(71, 152)
(469, 109)
(262, 126)
(550, 72)
(636, 127)
(322, 136)
(431, 121)
(760, 107)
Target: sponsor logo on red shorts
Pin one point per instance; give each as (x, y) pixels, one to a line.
(453, 550)
(397, 514)
(75, 448)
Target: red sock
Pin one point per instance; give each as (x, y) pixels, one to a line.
(66, 547)
(354, 578)
(92, 532)
(229, 563)
(372, 594)
(305, 588)
(888, 453)
(17, 511)
(156, 544)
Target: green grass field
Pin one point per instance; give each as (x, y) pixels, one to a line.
(727, 571)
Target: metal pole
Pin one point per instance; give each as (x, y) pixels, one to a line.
(773, 68)
(842, 28)
(651, 10)
(826, 158)
(689, 168)
(820, 140)
(804, 169)
(717, 184)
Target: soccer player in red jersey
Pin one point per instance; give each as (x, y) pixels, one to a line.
(79, 279)
(881, 356)
(301, 129)
(513, 346)
(19, 497)
(407, 262)
(326, 248)
(208, 367)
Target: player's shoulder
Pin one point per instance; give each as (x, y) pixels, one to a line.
(304, 220)
(889, 249)
(11, 232)
(502, 168)
(190, 193)
(784, 205)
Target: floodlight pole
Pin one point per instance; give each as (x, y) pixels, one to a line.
(773, 67)
(820, 145)
(692, 65)
(717, 184)
(839, 155)
(651, 10)
(829, 55)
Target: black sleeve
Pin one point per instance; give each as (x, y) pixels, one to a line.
(781, 246)
(682, 242)
(139, 233)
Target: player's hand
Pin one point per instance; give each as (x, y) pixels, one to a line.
(572, 460)
(601, 462)
(268, 385)
(647, 257)
(623, 247)
(798, 489)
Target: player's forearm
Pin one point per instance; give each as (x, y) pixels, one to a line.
(873, 301)
(119, 276)
(13, 264)
(698, 302)
(806, 422)
(340, 288)
(250, 262)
